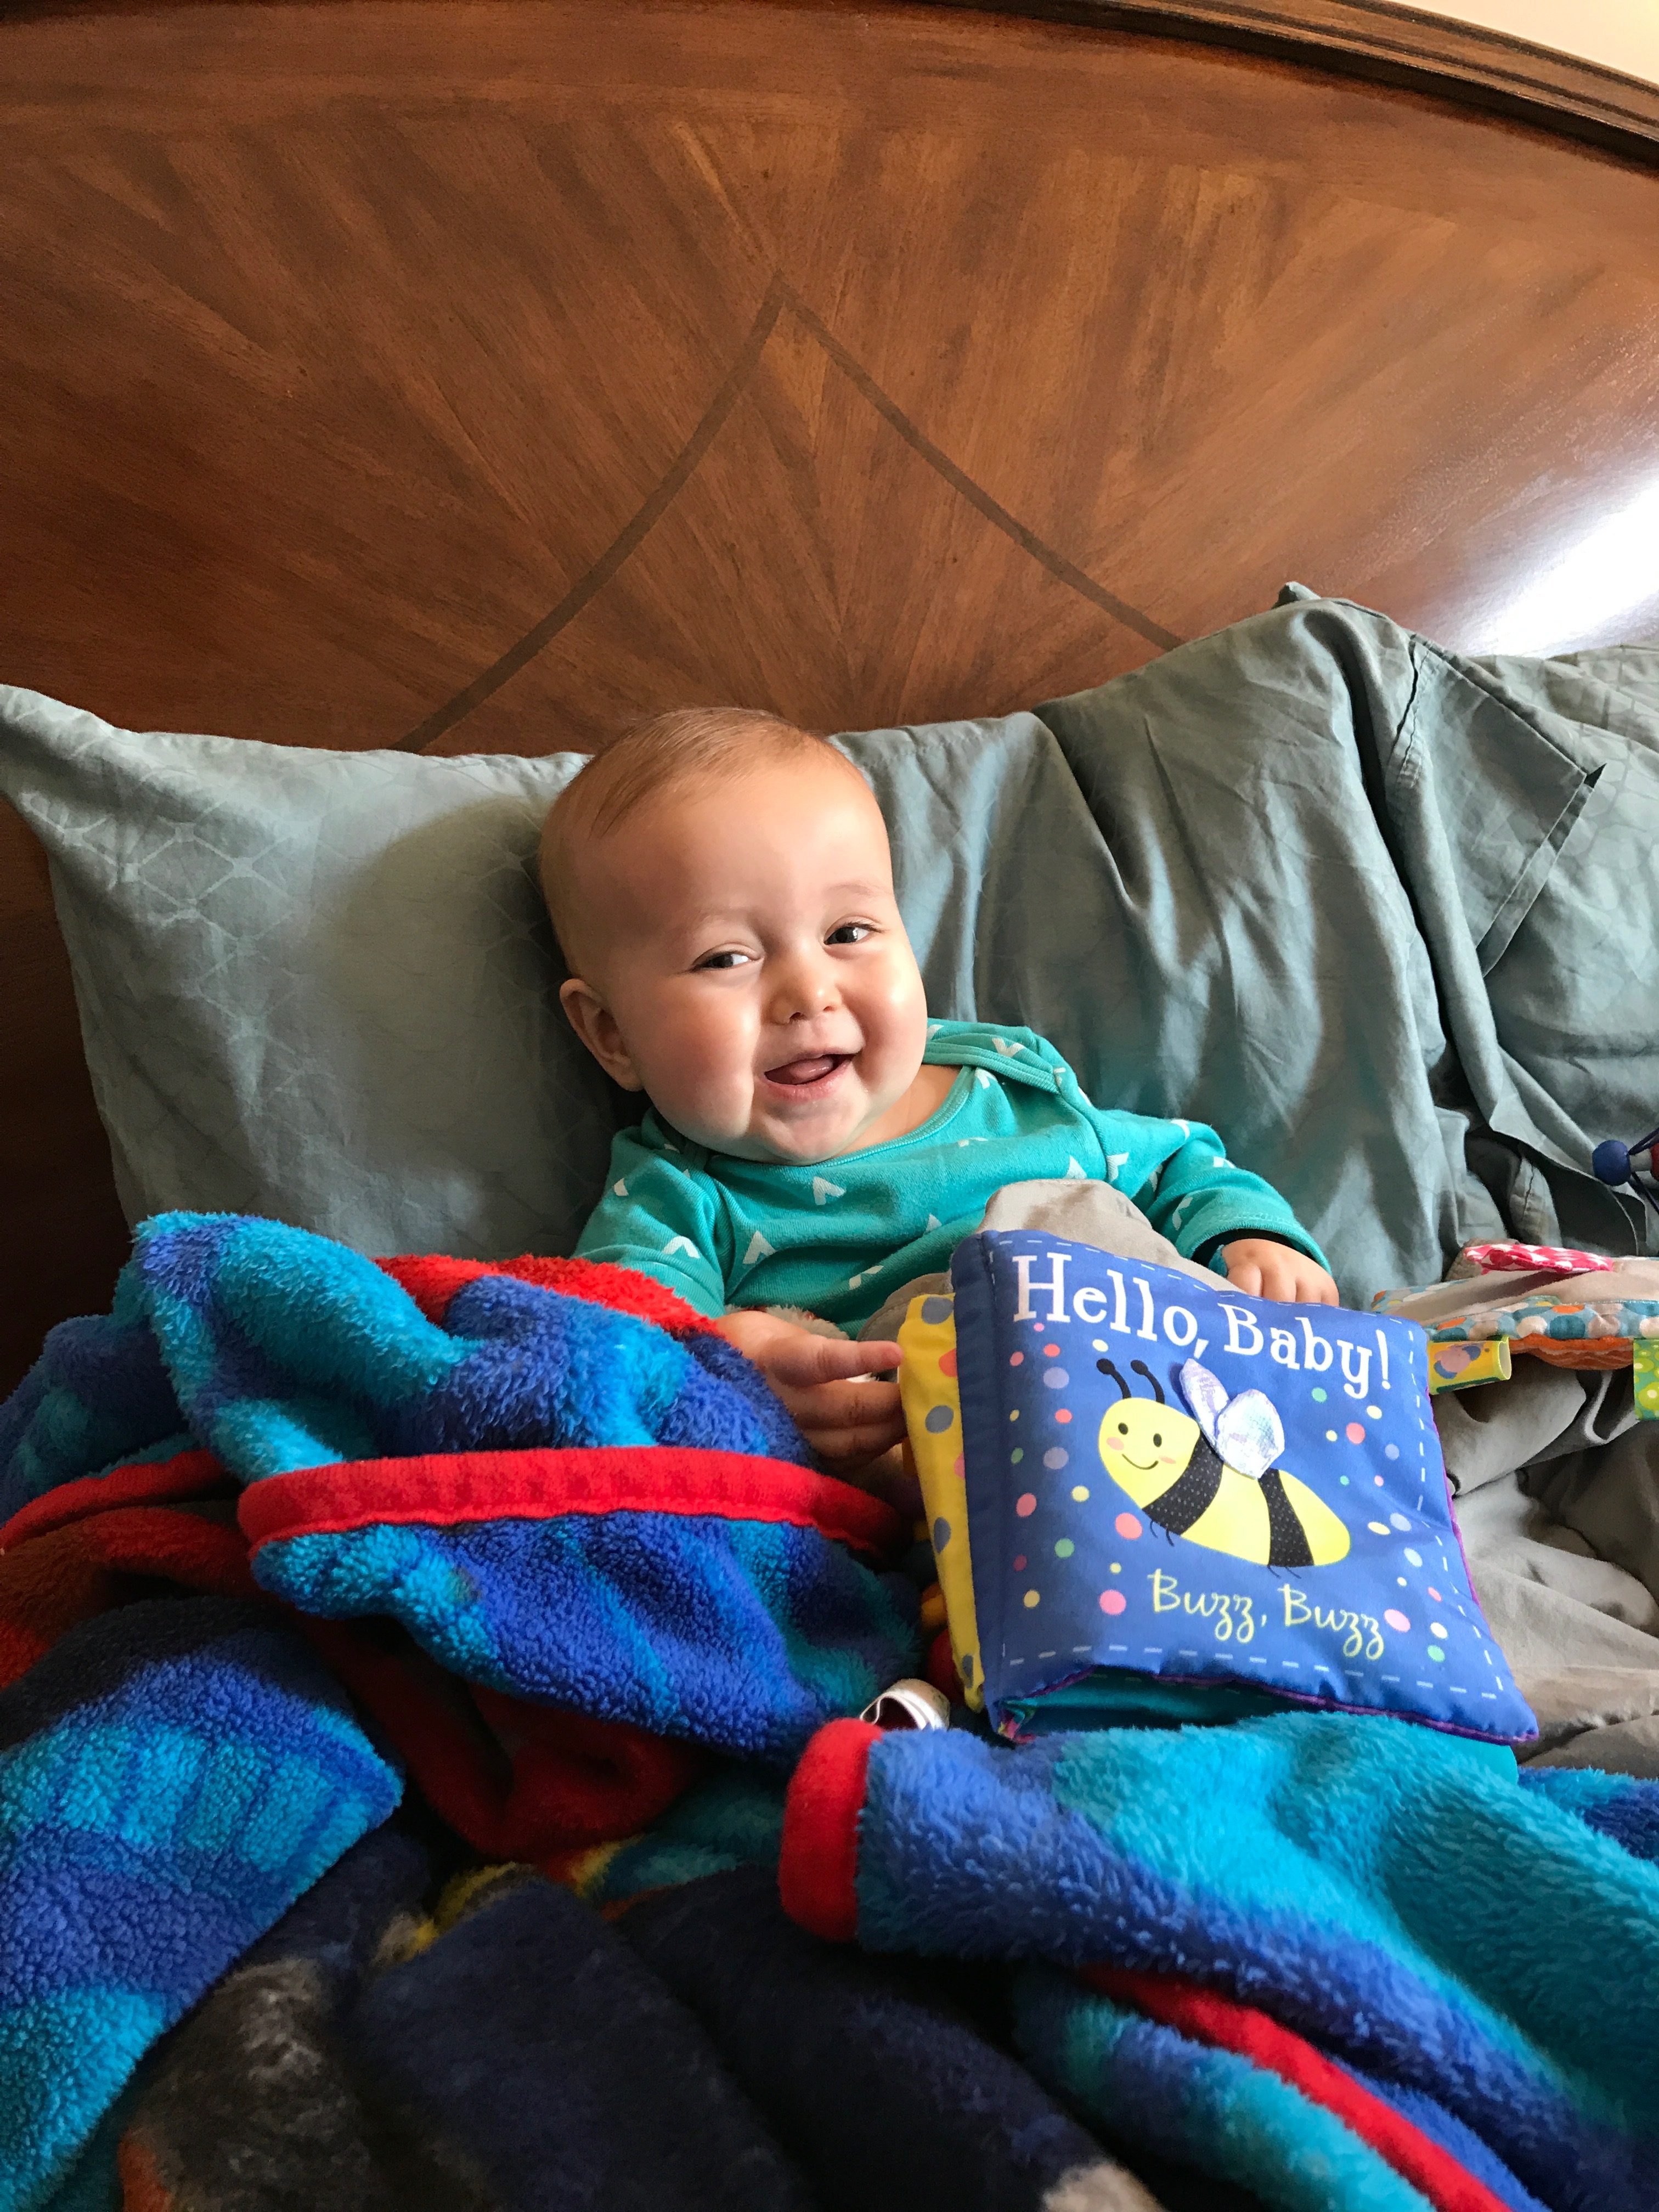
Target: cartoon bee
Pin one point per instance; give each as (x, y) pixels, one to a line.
(1212, 1480)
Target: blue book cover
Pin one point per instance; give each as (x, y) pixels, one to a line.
(1179, 1498)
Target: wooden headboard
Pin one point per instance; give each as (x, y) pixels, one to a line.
(464, 374)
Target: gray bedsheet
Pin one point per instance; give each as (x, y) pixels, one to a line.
(1387, 917)
(1558, 1503)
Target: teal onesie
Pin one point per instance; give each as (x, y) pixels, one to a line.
(839, 1236)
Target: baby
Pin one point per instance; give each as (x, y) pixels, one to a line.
(722, 889)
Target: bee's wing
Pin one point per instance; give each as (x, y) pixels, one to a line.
(1206, 1397)
(1249, 1435)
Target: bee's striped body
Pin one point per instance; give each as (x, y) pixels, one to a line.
(1166, 1463)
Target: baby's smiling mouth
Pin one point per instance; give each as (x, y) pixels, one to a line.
(812, 1072)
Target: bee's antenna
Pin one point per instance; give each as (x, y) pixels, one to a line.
(1106, 1368)
(1141, 1368)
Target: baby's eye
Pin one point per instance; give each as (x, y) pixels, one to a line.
(850, 932)
(1157, 1441)
(722, 960)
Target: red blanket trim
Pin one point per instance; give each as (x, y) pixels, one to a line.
(151, 1482)
(818, 1874)
(1208, 2017)
(432, 1281)
(542, 1484)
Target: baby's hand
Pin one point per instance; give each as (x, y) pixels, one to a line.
(848, 1423)
(1266, 1270)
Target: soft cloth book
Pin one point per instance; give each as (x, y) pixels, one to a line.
(1150, 1500)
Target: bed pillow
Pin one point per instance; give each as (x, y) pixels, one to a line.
(1167, 1502)
(320, 985)
(317, 985)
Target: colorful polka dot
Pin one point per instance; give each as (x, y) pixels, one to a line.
(1052, 1351)
(1438, 1628)
(1057, 1378)
(1017, 1359)
(1062, 1416)
(1014, 1416)
(934, 1310)
(1396, 1621)
(1063, 1548)
(1033, 1597)
(1016, 1455)
(1115, 1568)
(1330, 1436)
(1377, 1528)
(1435, 1652)
(1019, 1562)
(1112, 1601)
(947, 1363)
(941, 1533)
(1343, 1479)
(936, 1419)
(1128, 1527)
(1318, 1397)
(1055, 1457)
(1378, 1479)
(1025, 1505)
(1400, 1520)
(1373, 1413)
(1435, 1594)
(1355, 1432)
(1414, 1559)
(1390, 1451)
(1079, 1493)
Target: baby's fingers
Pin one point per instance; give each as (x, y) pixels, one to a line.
(803, 1363)
(832, 1406)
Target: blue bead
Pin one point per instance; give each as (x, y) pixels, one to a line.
(1611, 1161)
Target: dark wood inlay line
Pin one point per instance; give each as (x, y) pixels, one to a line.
(540, 634)
(975, 495)
(779, 294)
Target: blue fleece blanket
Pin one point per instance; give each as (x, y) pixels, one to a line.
(171, 1778)
(582, 1496)
(1391, 1903)
(569, 1490)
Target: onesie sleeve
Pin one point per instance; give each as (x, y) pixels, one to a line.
(661, 1219)
(1179, 1175)
(1201, 1201)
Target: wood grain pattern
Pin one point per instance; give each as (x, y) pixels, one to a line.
(465, 374)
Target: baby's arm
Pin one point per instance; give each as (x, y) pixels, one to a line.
(1179, 1175)
(658, 1218)
(846, 1421)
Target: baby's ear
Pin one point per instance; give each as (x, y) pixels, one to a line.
(596, 1025)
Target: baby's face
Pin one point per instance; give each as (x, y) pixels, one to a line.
(749, 972)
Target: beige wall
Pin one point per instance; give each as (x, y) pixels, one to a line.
(1621, 34)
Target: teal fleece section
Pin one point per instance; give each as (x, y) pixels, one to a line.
(838, 1237)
